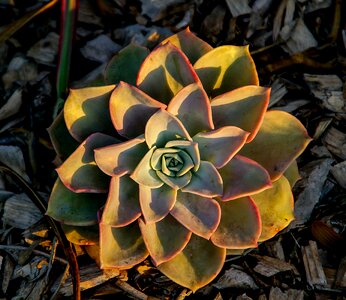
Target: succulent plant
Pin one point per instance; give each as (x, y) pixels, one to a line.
(176, 157)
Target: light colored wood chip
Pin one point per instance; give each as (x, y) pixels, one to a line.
(339, 172)
(238, 7)
(313, 266)
(235, 278)
(335, 141)
(269, 266)
(278, 91)
(20, 212)
(12, 106)
(45, 50)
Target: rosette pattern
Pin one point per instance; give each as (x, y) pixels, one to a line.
(178, 159)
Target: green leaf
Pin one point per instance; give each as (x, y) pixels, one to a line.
(192, 107)
(156, 203)
(243, 107)
(199, 214)
(280, 140)
(163, 127)
(125, 65)
(219, 146)
(64, 144)
(80, 173)
(164, 72)
(82, 235)
(292, 173)
(198, 264)
(275, 206)
(164, 239)
(121, 247)
(226, 68)
(121, 158)
(206, 182)
(83, 110)
(122, 206)
(74, 209)
(144, 174)
(131, 109)
(243, 177)
(240, 225)
(192, 46)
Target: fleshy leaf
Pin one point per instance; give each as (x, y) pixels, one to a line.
(156, 203)
(74, 209)
(191, 106)
(243, 177)
(121, 158)
(144, 174)
(198, 264)
(275, 206)
(80, 173)
(122, 206)
(292, 173)
(163, 127)
(243, 107)
(121, 247)
(280, 140)
(198, 214)
(191, 45)
(131, 109)
(175, 182)
(226, 68)
(164, 72)
(219, 146)
(190, 147)
(206, 182)
(84, 108)
(240, 225)
(82, 235)
(164, 239)
(64, 144)
(120, 69)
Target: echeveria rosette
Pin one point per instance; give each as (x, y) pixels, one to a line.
(199, 167)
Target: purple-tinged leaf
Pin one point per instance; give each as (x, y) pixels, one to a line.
(199, 214)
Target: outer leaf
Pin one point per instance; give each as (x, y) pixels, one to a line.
(198, 214)
(164, 239)
(144, 174)
(191, 45)
(163, 127)
(281, 139)
(206, 182)
(240, 225)
(219, 146)
(82, 235)
(83, 110)
(164, 72)
(121, 247)
(80, 173)
(121, 158)
(226, 68)
(131, 109)
(72, 208)
(122, 206)
(62, 141)
(243, 177)
(197, 265)
(156, 203)
(120, 69)
(276, 208)
(243, 107)
(192, 107)
(292, 173)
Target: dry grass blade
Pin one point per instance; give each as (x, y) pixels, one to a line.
(18, 24)
(41, 204)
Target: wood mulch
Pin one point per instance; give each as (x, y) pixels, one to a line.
(299, 47)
